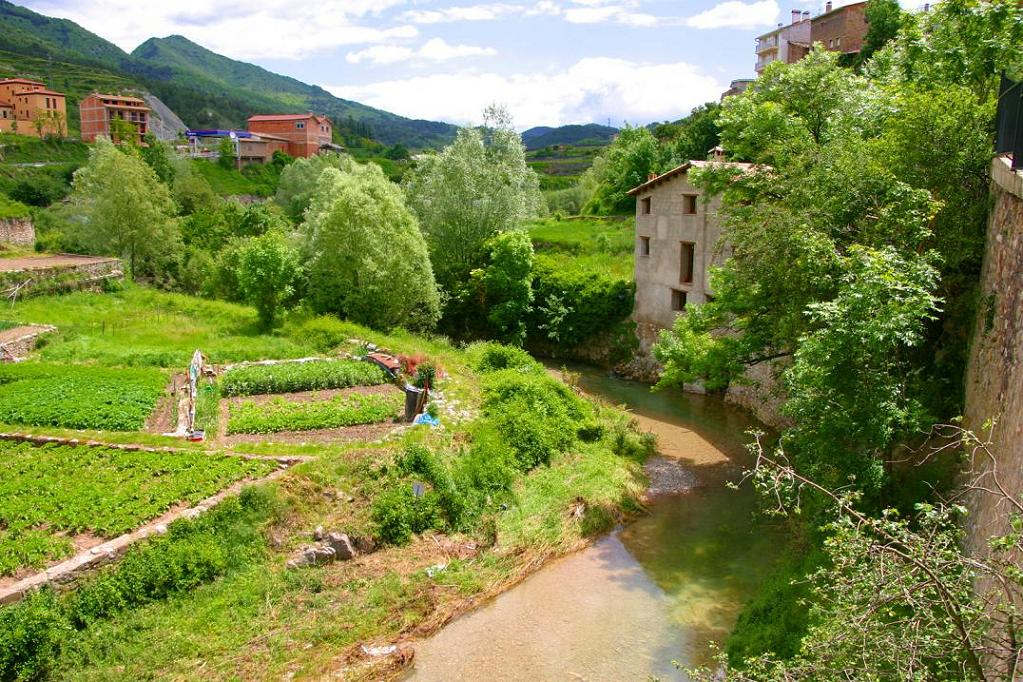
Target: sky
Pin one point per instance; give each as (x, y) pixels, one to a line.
(551, 62)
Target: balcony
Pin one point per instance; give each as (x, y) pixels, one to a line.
(768, 43)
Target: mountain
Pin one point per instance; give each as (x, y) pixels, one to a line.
(591, 133)
(205, 89)
(177, 60)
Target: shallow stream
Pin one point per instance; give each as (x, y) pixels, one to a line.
(661, 589)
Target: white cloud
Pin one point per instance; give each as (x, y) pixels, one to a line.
(591, 90)
(257, 29)
(433, 50)
(737, 14)
(480, 12)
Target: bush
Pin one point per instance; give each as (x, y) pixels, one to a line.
(398, 513)
(485, 357)
(291, 377)
(572, 305)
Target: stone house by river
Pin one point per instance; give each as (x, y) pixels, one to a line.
(677, 242)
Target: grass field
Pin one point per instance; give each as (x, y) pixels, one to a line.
(591, 244)
(254, 180)
(49, 492)
(300, 376)
(280, 414)
(12, 209)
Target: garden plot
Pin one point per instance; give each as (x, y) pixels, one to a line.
(56, 499)
(78, 396)
(316, 400)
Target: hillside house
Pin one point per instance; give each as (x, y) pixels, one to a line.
(842, 29)
(306, 134)
(788, 43)
(677, 242)
(99, 110)
(29, 108)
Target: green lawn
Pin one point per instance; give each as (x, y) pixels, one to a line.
(256, 180)
(596, 245)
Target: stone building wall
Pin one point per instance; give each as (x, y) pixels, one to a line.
(994, 377)
(17, 231)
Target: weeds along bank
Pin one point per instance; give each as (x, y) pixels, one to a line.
(521, 469)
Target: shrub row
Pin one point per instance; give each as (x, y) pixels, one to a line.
(343, 410)
(33, 631)
(78, 397)
(300, 376)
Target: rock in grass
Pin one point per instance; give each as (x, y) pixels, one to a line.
(342, 546)
(317, 555)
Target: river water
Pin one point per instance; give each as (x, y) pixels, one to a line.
(662, 589)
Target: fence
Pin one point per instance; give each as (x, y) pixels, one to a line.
(1010, 121)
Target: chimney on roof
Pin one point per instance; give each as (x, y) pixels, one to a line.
(796, 15)
(717, 154)
(806, 14)
(827, 6)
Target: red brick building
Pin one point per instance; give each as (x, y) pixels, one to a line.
(840, 30)
(260, 148)
(99, 110)
(306, 134)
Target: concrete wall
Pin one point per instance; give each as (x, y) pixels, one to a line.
(17, 231)
(667, 226)
(994, 377)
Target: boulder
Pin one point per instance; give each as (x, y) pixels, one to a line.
(317, 555)
(342, 546)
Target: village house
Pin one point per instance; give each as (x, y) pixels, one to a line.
(306, 134)
(99, 110)
(27, 107)
(842, 29)
(788, 43)
(677, 242)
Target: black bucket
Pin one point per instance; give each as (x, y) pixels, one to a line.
(414, 402)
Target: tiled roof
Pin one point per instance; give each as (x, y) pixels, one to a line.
(682, 169)
(20, 80)
(39, 92)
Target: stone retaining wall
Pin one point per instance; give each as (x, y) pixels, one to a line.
(90, 275)
(994, 375)
(22, 345)
(17, 231)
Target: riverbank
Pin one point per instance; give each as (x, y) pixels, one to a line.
(661, 588)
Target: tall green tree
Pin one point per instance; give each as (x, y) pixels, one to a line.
(507, 282)
(124, 209)
(267, 270)
(473, 189)
(884, 18)
(626, 163)
(364, 253)
(299, 181)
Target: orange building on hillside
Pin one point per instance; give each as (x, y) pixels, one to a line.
(98, 111)
(306, 134)
(28, 108)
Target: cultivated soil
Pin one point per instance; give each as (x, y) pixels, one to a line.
(44, 262)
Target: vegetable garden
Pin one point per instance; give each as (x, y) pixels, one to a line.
(78, 397)
(50, 492)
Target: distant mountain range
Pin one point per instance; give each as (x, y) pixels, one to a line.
(589, 134)
(205, 89)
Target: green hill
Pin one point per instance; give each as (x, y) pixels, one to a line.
(205, 89)
(590, 134)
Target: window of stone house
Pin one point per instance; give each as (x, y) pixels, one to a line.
(689, 204)
(686, 259)
(644, 246)
(644, 206)
(678, 300)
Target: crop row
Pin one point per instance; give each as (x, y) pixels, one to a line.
(343, 410)
(51, 490)
(300, 376)
(78, 396)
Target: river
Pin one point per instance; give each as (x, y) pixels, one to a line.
(659, 590)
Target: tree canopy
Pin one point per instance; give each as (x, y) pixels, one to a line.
(365, 256)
